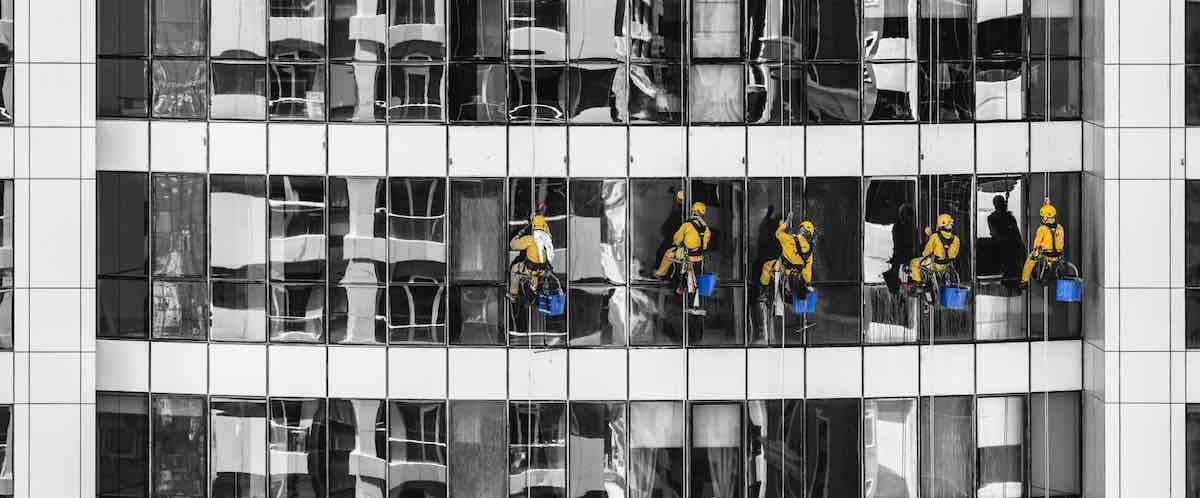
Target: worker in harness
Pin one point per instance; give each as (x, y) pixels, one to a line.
(689, 243)
(536, 255)
(1048, 243)
(940, 252)
(795, 260)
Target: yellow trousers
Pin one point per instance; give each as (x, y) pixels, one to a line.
(514, 278)
(671, 256)
(1031, 262)
(775, 265)
(915, 266)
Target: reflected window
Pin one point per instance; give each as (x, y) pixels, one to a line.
(656, 445)
(767, 457)
(889, 30)
(122, 445)
(724, 321)
(537, 29)
(121, 88)
(238, 432)
(357, 314)
(775, 94)
(999, 90)
(598, 315)
(123, 307)
(1192, 448)
(947, 91)
(238, 217)
(831, 93)
(1054, 28)
(477, 28)
(296, 441)
(357, 447)
(180, 228)
(1000, 253)
(477, 93)
(477, 238)
(1055, 461)
(239, 91)
(598, 231)
(598, 453)
(297, 312)
(418, 314)
(537, 449)
(655, 317)
(655, 93)
(297, 30)
(716, 29)
(297, 92)
(890, 92)
(775, 29)
(945, 30)
(890, 447)
(121, 27)
(417, 229)
(953, 195)
(7, 83)
(477, 315)
(180, 89)
(239, 29)
(715, 94)
(1000, 28)
(239, 311)
(180, 27)
(831, 447)
(1191, 261)
(1000, 435)
(655, 29)
(1054, 89)
(417, 93)
(122, 248)
(655, 213)
(357, 226)
(417, 449)
(477, 441)
(417, 30)
(597, 29)
(1047, 316)
(357, 30)
(179, 454)
(716, 449)
(947, 446)
(833, 29)
(180, 310)
(536, 94)
(357, 92)
(297, 227)
(889, 242)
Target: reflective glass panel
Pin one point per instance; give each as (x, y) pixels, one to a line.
(1000, 434)
(716, 450)
(1048, 316)
(1000, 28)
(598, 231)
(889, 241)
(947, 446)
(357, 314)
(827, 202)
(417, 449)
(656, 442)
(890, 92)
(724, 214)
(1054, 89)
(598, 453)
(297, 30)
(831, 443)
(715, 94)
(655, 317)
(7, 103)
(947, 91)
(122, 445)
(766, 208)
(477, 315)
(537, 29)
(1191, 233)
(766, 460)
(537, 449)
(1192, 87)
(238, 219)
(1054, 28)
(597, 29)
(121, 27)
(121, 88)
(1055, 428)
(297, 448)
(239, 29)
(952, 195)
(945, 32)
(180, 27)
(180, 228)
(775, 29)
(536, 93)
(477, 29)
(6, 319)
(180, 310)
(655, 29)
(417, 30)
(123, 307)
(417, 229)
(1000, 253)
(357, 29)
(239, 91)
(775, 94)
(357, 230)
(716, 29)
(1192, 447)
(178, 455)
(357, 448)
(357, 92)
(297, 224)
(297, 312)
(597, 93)
(417, 93)
(180, 89)
(890, 448)
(297, 92)
(418, 314)
(832, 92)
(833, 29)
(656, 93)
(122, 232)
(478, 443)
(598, 315)
(724, 321)
(477, 236)
(238, 467)
(239, 311)
(654, 215)
(477, 93)
(999, 90)
(889, 30)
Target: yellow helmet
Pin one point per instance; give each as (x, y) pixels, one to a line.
(808, 226)
(698, 208)
(679, 196)
(1047, 211)
(945, 221)
(539, 223)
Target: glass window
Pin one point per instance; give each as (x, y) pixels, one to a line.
(477, 93)
(837, 267)
(477, 29)
(947, 91)
(357, 448)
(1054, 28)
(1047, 316)
(1192, 447)
(537, 30)
(947, 446)
(535, 93)
(775, 94)
(716, 29)
(1191, 26)
(357, 92)
(122, 241)
(238, 219)
(357, 30)
(656, 441)
(889, 241)
(655, 29)
(296, 441)
(537, 449)
(417, 449)
(715, 94)
(767, 457)
(7, 450)
(890, 92)
(297, 224)
(123, 307)
(121, 27)
(1054, 89)
(832, 93)
(238, 438)
(1000, 28)
(122, 445)
(180, 89)
(716, 449)
(297, 92)
(418, 314)
(297, 30)
(832, 448)
(655, 316)
(180, 310)
(417, 30)
(417, 229)
(121, 88)
(417, 93)
(598, 93)
(775, 29)
(7, 78)
(598, 315)
(239, 311)
(953, 195)
(477, 315)
(1191, 233)
(1000, 435)
(357, 226)
(477, 237)
(833, 29)
(725, 216)
(945, 32)
(239, 29)
(766, 208)
(239, 91)
(598, 231)
(297, 312)
(890, 447)
(1055, 452)
(999, 90)
(179, 452)
(889, 30)
(180, 224)
(180, 27)
(598, 453)
(656, 93)
(654, 215)
(1192, 88)
(357, 314)
(597, 29)
(478, 449)
(1000, 310)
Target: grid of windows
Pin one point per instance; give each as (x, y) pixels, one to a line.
(371, 260)
(1007, 446)
(590, 61)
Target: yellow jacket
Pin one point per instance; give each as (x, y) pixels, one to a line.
(689, 237)
(1050, 241)
(788, 243)
(941, 249)
(527, 244)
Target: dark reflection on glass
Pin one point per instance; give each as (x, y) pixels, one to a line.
(180, 310)
(655, 317)
(889, 30)
(999, 90)
(598, 453)
(1000, 249)
(597, 240)
(724, 202)
(357, 447)
(179, 27)
(1000, 28)
(537, 30)
(890, 448)
(715, 95)
(121, 27)
(416, 93)
(597, 29)
(947, 91)
(947, 446)
(716, 450)
(537, 93)
(1191, 86)
(775, 94)
(477, 315)
(477, 239)
(239, 311)
(297, 313)
(597, 315)
(6, 319)
(122, 445)
(297, 224)
(297, 30)
(477, 29)
(836, 320)
(832, 93)
(180, 231)
(238, 221)
(477, 93)
(953, 195)
(656, 93)
(794, 455)
(1000, 435)
(1191, 233)
(297, 92)
(238, 430)
(527, 326)
(655, 29)
(297, 448)
(832, 449)
(357, 314)
(829, 203)
(239, 29)
(765, 208)
(180, 89)
(178, 454)
(357, 30)
(417, 229)
(417, 449)
(597, 93)
(7, 83)
(1054, 89)
(656, 441)
(1191, 26)
(1191, 317)
(654, 215)
(716, 29)
(1055, 426)
(889, 241)
(478, 446)
(945, 29)
(1054, 28)
(537, 449)
(775, 29)
(418, 314)
(833, 29)
(724, 323)
(239, 91)
(122, 234)
(766, 456)
(357, 92)
(1192, 445)
(417, 31)
(1047, 316)
(120, 88)
(890, 92)
(122, 307)
(357, 226)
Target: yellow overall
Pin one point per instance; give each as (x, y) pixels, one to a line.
(689, 241)
(798, 261)
(940, 250)
(1048, 244)
(533, 265)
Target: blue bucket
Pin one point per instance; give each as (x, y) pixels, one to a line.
(954, 297)
(706, 284)
(806, 305)
(1069, 290)
(552, 303)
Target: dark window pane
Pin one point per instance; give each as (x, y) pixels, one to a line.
(1191, 26)
(832, 450)
(716, 29)
(357, 314)
(239, 29)
(1192, 447)
(123, 308)
(297, 312)
(121, 88)
(357, 448)
(947, 91)
(239, 448)
(598, 450)
(121, 27)
(1192, 317)
(477, 315)
(888, 30)
(999, 90)
(357, 30)
(775, 29)
(357, 230)
(767, 457)
(418, 314)
(297, 30)
(597, 93)
(654, 216)
(598, 238)
(7, 103)
(890, 92)
(716, 450)
(952, 195)
(297, 448)
(477, 93)
(417, 93)
(1054, 89)
(417, 229)
(655, 29)
(947, 446)
(724, 321)
(945, 32)
(597, 29)
(180, 228)
(238, 220)
(1055, 461)
(836, 320)
(1000, 29)
(297, 92)
(826, 202)
(890, 447)
(478, 449)
(6, 319)
(1192, 99)
(1000, 434)
(477, 29)
(180, 89)
(1000, 310)
(477, 235)
(417, 444)
(297, 220)
(1191, 233)
(1047, 316)
(1054, 28)
(179, 452)
(239, 311)
(765, 209)
(598, 315)
(357, 92)
(832, 93)
(775, 94)
(537, 449)
(122, 445)
(180, 27)
(180, 310)
(833, 29)
(239, 91)
(537, 29)
(417, 30)
(122, 234)
(656, 93)
(715, 93)
(656, 441)
(889, 241)
(535, 94)
(655, 317)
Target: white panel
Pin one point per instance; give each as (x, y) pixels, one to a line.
(357, 150)
(1093, 148)
(947, 148)
(238, 369)
(87, 153)
(122, 146)
(54, 316)
(717, 151)
(1145, 378)
(1056, 146)
(48, 21)
(123, 366)
(53, 451)
(598, 151)
(54, 95)
(548, 159)
(1177, 333)
(1002, 368)
(1145, 152)
(1112, 235)
(1178, 94)
(775, 373)
(87, 97)
(357, 372)
(478, 151)
(599, 374)
(1177, 163)
(1002, 147)
(1145, 95)
(1145, 35)
(716, 374)
(834, 372)
(947, 370)
(1151, 215)
(87, 34)
(1145, 445)
(54, 377)
(21, 378)
(179, 146)
(1145, 320)
(87, 449)
(1179, 458)
(179, 367)
(296, 371)
(890, 371)
(54, 229)
(834, 150)
(1178, 377)
(1056, 365)
(418, 150)
(890, 149)
(478, 373)
(657, 151)
(657, 373)
(295, 149)
(537, 374)
(53, 153)
(237, 148)
(8, 152)
(775, 151)
(417, 373)
(7, 375)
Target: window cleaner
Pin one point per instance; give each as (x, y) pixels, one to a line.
(795, 264)
(535, 259)
(1048, 245)
(941, 250)
(689, 243)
